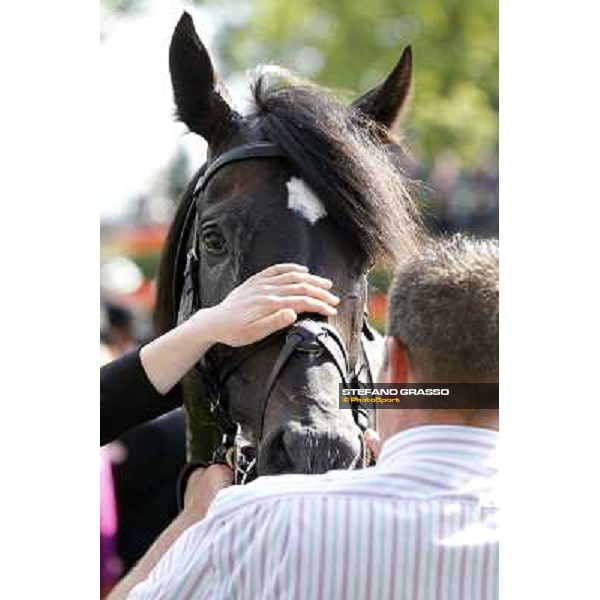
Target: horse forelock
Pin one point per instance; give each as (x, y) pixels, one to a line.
(338, 153)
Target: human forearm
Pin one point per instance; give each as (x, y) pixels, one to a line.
(202, 487)
(264, 303)
(167, 538)
(168, 358)
(128, 398)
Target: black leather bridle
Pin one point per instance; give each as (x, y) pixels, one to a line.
(307, 335)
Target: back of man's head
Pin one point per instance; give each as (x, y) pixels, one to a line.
(444, 310)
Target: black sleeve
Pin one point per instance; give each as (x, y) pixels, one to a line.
(127, 398)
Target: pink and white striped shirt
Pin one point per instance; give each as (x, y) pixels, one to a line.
(422, 524)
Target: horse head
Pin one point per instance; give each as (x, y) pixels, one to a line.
(301, 178)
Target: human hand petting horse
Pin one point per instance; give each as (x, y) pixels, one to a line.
(261, 305)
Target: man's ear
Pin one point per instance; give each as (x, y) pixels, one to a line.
(387, 101)
(199, 105)
(398, 364)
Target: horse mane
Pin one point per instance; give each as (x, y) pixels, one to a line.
(339, 154)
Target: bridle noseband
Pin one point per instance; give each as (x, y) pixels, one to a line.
(307, 335)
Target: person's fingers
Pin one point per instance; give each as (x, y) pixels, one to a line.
(195, 476)
(218, 476)
(194, 481)
(373, 442)
(214, 476)
(273, 322)
(303, 304)
(203, 485)
(299, 277)
(306, 289)
(280, 268)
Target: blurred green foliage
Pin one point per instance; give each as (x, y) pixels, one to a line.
(380, 278)
(350, 46)
(148, 264)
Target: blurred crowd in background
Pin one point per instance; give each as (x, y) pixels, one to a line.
(451, 132)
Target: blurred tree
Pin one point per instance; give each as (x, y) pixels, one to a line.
(350, 46)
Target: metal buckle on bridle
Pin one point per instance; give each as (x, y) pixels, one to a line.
(239, 457)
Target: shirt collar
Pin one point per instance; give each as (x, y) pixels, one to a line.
(467, 444)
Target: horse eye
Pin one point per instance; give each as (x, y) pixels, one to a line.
(213, 242)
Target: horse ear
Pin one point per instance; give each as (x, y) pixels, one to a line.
(386, 101)
(199, 104)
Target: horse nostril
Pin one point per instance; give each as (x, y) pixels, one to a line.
(298, 449)
(273, 457)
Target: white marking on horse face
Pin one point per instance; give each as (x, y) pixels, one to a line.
(302, 200)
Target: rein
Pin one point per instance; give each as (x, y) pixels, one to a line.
(307, 335)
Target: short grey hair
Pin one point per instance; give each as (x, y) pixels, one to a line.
(444, 308)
